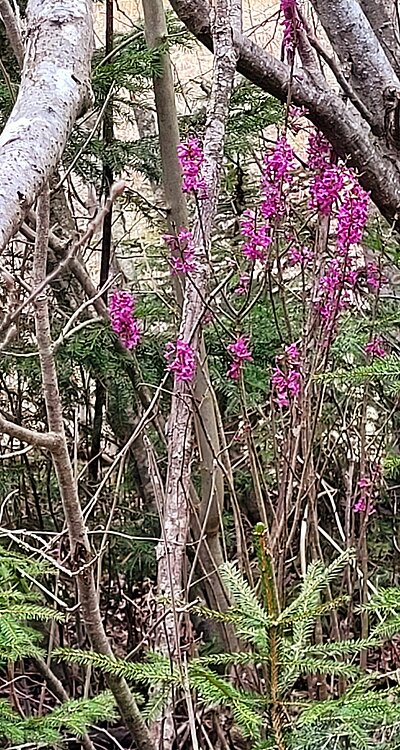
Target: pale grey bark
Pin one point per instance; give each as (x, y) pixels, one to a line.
(209, 505)
(359, 50)
(383, 18)
(55, 87)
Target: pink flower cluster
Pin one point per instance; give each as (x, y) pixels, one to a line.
(181, 360)
(374, 277)
(327, 180)
(258, 237)
(375, 348)
(182, 251)
(290, 23)
(123, 322)
(368, 487)
(331, 184)
(352, 215)
(191, 159)
(287, 382)
(300, 254)
(241, 354)
(276, 179)
(275, 183)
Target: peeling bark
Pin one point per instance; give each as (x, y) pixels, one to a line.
(55, 88)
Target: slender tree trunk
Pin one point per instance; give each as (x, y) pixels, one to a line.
(176, 514)
(81, 554)
(212, 484)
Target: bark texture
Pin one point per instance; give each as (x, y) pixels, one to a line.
(55, 88)
(209, 504)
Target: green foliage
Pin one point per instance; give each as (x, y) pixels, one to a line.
(19, 604)
(74, 716)
(385, 370)
(282, 649)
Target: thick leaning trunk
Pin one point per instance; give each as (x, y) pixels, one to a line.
(81, 555)
(350, 137)
(54, 90)
(359, 50)
(382, 16)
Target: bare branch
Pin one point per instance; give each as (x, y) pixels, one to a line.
(46, 440)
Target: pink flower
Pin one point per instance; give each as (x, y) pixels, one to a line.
(300, 254)
(241, 354)
(121, 311)
(191, 159)
(375, 348)
(327, 179)
(287, 384)
(258, 237)
(292, 354)
(181, 360)
(368, 487)
(182, 251)
(290, 23)
(325, 189)
(352, 215)
(319, 152)
(375, 277)
(275, 183)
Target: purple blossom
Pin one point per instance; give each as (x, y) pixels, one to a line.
(300, 254)
(325, 189)
(182, 251)
(124, 324)
(287, 386)
(327, 179)
(287, 383)
(241, 354)
(375, 277)
(276, 179)
(191, 159)
(368, 488)
(292, 354)
(275, 183)
(319, 152)
(258, 237)
(290, 23)
(375, 348)
(181, 360)
(352, 215)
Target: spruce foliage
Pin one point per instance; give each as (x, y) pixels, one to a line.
(279, 646)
